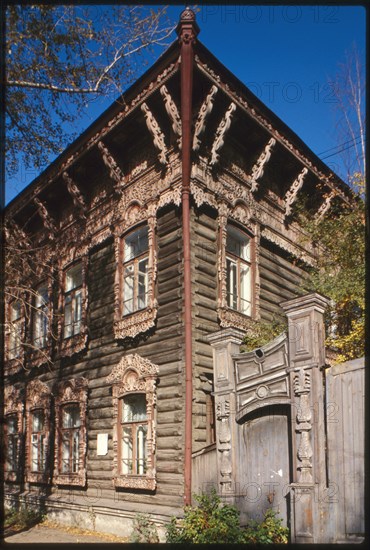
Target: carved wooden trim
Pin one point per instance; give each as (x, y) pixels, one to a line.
(324, 206)
(172, 112)
(71, 391)
(115, 173)
(135, 374)
(287, 246)
(142, 320)
(157, 134)
(13, 405)
(47, 220)
(203, 114)
(302, 388)
(259, 167)
(221, 133)
(38, 396)
(224, 444)
(291, 195)
(77, 196)
(78, 342)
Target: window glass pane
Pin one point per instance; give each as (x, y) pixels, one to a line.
(71, 416)
(34, 453)
(238, 243)
(245, 289)
(231, 284)
(126, 450)
(142, 283)
(41, 296)
(141, 449)
(65, 453)
(73, 277)
(68, 317)
(77, 312)
(76, 453)
(128, 289)
(136, 243)
(12, 424)
(134, 408)
(38, 421)
(15, 311)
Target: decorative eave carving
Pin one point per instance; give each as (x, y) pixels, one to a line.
(135, 374)
(47, 220)
(77, 197)
(325, 206)
(115, 172)
(172, 112)
(38, 397)
(287, 246)
(157, 134)
(71, 391)
(203, 114)
(259, 167)
(220, 134)
(292, 193)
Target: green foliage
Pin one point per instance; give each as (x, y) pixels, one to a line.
(22, 518)
(340, 274)
(144, 530)
(209, 522)
(215, 522)
(269, 531)
(261, 333)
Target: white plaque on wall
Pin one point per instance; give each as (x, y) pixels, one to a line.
(102, 444)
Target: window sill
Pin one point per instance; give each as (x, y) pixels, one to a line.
(37, 477)
(70, 479)
(233, 318)
(73, 344)
(135, 482)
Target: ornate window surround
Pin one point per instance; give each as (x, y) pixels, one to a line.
(240, 218)
(37, 355)
(139, 321)
(13, 363)
(132, 375)
(13, 405)
(72, 391)
(38, 396)
(76, 343)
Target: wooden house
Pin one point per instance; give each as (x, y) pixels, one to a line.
(172, 216)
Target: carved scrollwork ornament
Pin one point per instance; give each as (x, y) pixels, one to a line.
(115, 172)
(259, 167)
(172, 112)
(47, 220)
(203, 114)
(157, 134)
(291, 195)
(77, 197)
(302, 388)
(221, 133)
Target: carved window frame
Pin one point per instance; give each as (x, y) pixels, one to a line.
(71, 392)
(38, 397)
(77, 342)
(14, 362)
(13, 406)
(39, 355)
(141, 320)
(134, 375)
(237, 218)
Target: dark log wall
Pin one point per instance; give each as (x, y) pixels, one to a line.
(163, 345)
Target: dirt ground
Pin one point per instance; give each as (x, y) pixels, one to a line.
(50, 532)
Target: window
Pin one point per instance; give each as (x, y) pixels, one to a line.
(134, 380)
(13, 428)
(135, 271)
(38, 440)
(70, 433)
(41, 317)
(73, 301)
(134, 429)
(38, 401)
(11, 443)
(16, 327)
(238, 271)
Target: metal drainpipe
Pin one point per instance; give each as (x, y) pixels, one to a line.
(187, 31)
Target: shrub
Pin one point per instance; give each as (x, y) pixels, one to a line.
(269, 531)
(144, 530)
(209, 522)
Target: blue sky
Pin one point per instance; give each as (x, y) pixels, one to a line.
(286, 55)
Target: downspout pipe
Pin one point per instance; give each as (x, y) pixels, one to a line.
(187, 31)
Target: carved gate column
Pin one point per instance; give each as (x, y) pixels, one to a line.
(225, 344)
(308, 491)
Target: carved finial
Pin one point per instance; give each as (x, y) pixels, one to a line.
(187, 29)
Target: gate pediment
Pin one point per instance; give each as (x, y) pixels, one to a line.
(261, 377)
